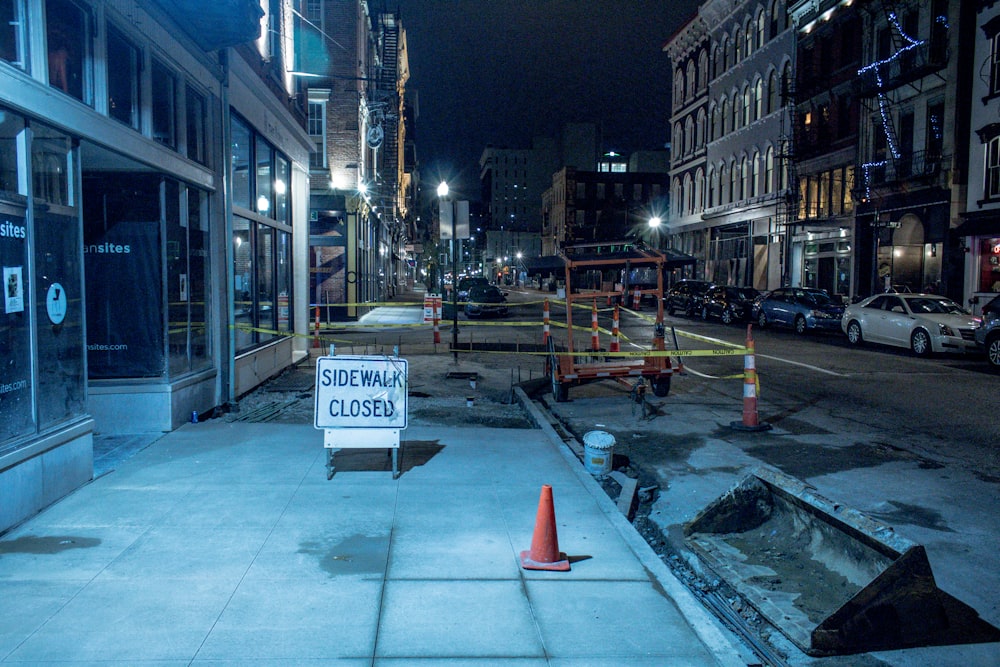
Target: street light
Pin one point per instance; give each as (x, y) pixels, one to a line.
(654, 226)
(443, 194)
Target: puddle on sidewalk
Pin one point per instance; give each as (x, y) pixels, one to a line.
(51, 544)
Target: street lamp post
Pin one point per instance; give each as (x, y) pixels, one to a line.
(443, 194)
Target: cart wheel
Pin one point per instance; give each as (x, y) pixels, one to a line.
(560, 391)
(661, 386)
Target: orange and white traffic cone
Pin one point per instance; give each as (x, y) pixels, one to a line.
(544, 553)
(316, 337)
(545, 322)
(636, 299)
(615, 343)
(751, 420)
(437, 326)
(595, 341)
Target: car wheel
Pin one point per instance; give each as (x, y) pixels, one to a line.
(920, 343)
(670, 309)
(800, 325)
(689, 309)
(560, 391)
(661, 386)
(854, 333)
(762, 320)
(727, 316)
(704, 313)
(993, 351)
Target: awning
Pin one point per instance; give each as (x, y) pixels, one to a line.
(980, 223)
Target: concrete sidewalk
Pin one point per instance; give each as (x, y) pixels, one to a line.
(224, 543)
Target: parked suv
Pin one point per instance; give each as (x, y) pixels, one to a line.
(686, 296)
(988, 332)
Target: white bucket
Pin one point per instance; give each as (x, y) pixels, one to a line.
(598, 450)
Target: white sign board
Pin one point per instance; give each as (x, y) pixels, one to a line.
(361, 393)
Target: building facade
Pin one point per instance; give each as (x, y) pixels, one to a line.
(823, 154)
(979, 234)
(356, 68)
(735, 220)
(153, 173)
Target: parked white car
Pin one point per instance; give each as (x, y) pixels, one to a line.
(924, 323)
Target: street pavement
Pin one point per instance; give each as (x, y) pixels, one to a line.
(225, 543)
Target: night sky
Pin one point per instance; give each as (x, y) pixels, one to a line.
(503, 71)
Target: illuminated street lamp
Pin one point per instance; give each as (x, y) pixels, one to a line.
(654, 226)
(443, 194)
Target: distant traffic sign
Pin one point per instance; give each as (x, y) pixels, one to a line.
(361, 393)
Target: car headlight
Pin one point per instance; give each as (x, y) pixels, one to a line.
(945, 330)
(821, 314)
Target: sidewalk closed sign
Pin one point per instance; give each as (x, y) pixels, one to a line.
(361, 393)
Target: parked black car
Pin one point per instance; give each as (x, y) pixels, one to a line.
(988, 332)
(729, 304)
(686, 296)
(484, 300)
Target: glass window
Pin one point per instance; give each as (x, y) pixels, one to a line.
(317, 130)
(265, 178)
(196, 113)
(10, 127)
(122, 251)
(50, 165)
(283, 281)
(993, 168)
(68, 38)
(282, 184)
(123, 79)
(241, 163)
(12, 43)
(16, 406)
(995, 65)
(266, 315)
(837, 192)
(769, 170)
(164, 105)
(989, 260)
(199, 279)
(243, 276)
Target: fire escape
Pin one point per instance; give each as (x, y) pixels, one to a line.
(896, 74)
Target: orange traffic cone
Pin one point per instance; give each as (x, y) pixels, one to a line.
(316, 338)
(595, 341)
(751, 421)
(545, 554)
(615, 344)
(545, 322)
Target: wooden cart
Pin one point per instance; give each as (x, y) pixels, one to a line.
(565, 366)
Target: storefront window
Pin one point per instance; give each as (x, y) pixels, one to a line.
(16, 414)
(68, 38)
(241, 163)
(10, 127)
(122, 244)
(283, 281)
(264, 179)
(266, 315)
(243, 278)
(989, 265)
(282, 181)
(199, 279)
(50, 160)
